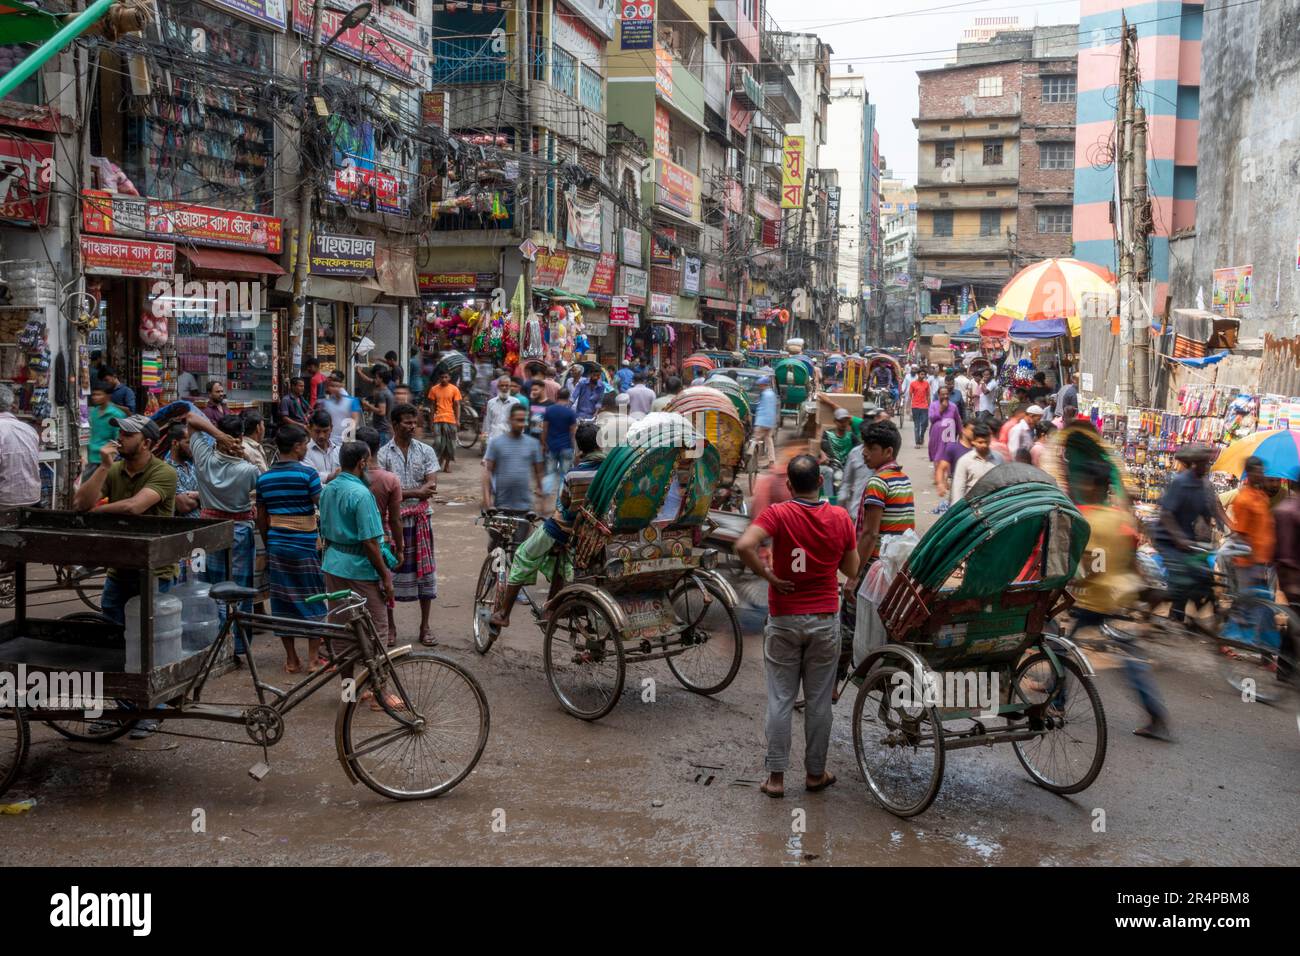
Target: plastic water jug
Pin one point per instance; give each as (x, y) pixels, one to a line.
(200, 616)
(167, 629)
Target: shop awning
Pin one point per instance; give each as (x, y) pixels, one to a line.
(335, 290)
(674, 320)
(561, 296)
(223, 260)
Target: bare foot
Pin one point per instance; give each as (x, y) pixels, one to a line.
(496, 620)
(292, 666)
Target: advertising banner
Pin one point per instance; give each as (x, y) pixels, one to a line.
(662, 144)
(634, 283)
(127, 257)
(631, 247)
(26, 174)
(663, 72)
(1231, 289)
(341, 256)
(638, 22)
(583, 224)
(618, 312)
(662, 305)
(113, 214)
(387, 54)
(602, 282)
(578, 275)
(659, 253)
(792, 173)
(430, 282)
(691, 276)
(269, 13)
(674, 187)
(715, 284)
(549, 272)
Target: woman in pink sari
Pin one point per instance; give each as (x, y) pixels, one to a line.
(945, 424)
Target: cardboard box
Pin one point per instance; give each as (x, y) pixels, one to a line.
(827, 402)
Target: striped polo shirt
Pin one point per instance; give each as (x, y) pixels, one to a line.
(889, 488)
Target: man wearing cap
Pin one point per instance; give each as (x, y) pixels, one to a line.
(1021, 439)
(135, 483)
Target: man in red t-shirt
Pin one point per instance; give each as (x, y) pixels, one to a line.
(812, 542)
(919, 394)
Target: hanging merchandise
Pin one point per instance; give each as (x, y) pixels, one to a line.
(153, 330)
(533, 344)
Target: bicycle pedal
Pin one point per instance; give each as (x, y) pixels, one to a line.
(259, 770)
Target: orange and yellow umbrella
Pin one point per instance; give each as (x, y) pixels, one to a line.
(1053, 289)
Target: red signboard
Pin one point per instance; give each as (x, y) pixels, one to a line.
(114, 214)
(26, 172)
(350, 185)
(550, 269)
(602, 283)
(765, 207)
(127, 257)
(385, 53)
(674, 187)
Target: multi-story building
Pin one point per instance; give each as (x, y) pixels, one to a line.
(1169, 57)
(995, 154)
(848, 150)
(900, 281)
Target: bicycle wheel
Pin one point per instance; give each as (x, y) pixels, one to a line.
(753, 469)
(490, 577)
(584, 659)
(467, 432)
(96, 730)
(898, 741)
(15, 741)
(1069, 754)
(90, 587)
(712, 640)
(429, 759)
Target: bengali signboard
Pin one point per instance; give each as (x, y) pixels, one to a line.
(932, 283)
(690, 276)
(674, 187)
(602, 281)
(634, 283)
(578, 275)
(792, 173)
(353, 184)
(433, 108)
(26, 173)
(430, 282)
(664, 72)
(127, 257)
(715, 283)
(269, 13)
(638, 23)
(833, 205)
(662, 305)
(341, 256)
(663, 140)
(631, 247)
(115, 214)
(765, 208)
(619, 314)
(549, 271)
(365, 43)
(1231, 289)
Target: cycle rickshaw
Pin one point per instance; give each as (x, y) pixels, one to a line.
(713, 414)
(633, 584)
(883, 397)
(971, 609)
(794, 379)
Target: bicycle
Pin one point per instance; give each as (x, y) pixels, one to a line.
(470, 427)
(505, 535)
(86, 582)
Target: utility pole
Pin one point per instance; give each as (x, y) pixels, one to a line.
(306, 197)
(1124, 169)
(1141, 261)
(525, 146)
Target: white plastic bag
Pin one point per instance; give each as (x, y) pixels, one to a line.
(869, 631)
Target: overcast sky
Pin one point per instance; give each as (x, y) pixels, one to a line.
(887, 41)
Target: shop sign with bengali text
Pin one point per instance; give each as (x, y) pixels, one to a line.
(619, 313)
(353, 185)
(674, 187)
(766, 208)
(792, 173)
(430, 282)
(638, 23)
(433, 109)
(387, 54)
(634, 283)
(833, 205)
(664, 72)
(115, 214)
(127, 257)
(690, 276)
(26, 175)
(341, 256)
(578, 275)
(550, 267)
(932, 283)
(1231, 289)
(662, 305)
(663, 139)
(715, 284)
(602, 281)
(631, 247)
(270, 13)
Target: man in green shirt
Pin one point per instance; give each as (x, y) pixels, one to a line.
(837, 441)
(353, 530)
(102, 415)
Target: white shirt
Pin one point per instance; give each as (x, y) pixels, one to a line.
(340, 413)
(964, 386)
(856, 475)
(640, 399)
(496, 416)
(20, 470)
(325, 461)
(1021, 437)
(970, 469)
(187, 386)
(988, 392)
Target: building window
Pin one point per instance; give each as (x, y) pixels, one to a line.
(1055, 155)
(993, 125)
(990, 86)
(1056, 219)
(945, 151)
(1059, 89)
(943, 195)
(590, 89)
(942, 224)
(993, 152)
(990, 222)
(944, 128)
(991, 192)
(564, 71)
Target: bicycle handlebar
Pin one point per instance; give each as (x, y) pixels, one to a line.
(330, 596)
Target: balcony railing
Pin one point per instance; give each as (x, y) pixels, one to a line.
(781, 99)
(747, 92)
(467, 60)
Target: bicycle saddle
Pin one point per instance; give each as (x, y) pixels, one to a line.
(230, 592)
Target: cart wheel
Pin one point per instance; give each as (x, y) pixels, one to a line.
(490, 577)
(15, 741)
(898, 741)
(1069, 754)
(90, 588)
(584, 659)
(710, 661)
(100, 730)
(467, 432)
(415, 763)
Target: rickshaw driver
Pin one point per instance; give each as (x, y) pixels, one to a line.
(535, 553)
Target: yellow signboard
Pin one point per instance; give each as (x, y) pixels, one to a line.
(792, 173)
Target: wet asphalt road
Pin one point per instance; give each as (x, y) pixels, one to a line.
(669, 782)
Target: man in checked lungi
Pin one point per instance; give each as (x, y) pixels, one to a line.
(287, 494)
(416, 464)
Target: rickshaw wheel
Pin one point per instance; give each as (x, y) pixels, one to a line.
(15, 741)
(710, 665)
(899, 745)
(467, 432)
(1069, 755)
(485, 599)
(752, 469)
(405, 763)
(99, 731)
(584, 658)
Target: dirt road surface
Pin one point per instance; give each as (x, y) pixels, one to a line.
(673, 781)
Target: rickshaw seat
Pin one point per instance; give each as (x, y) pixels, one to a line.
(230, 592)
